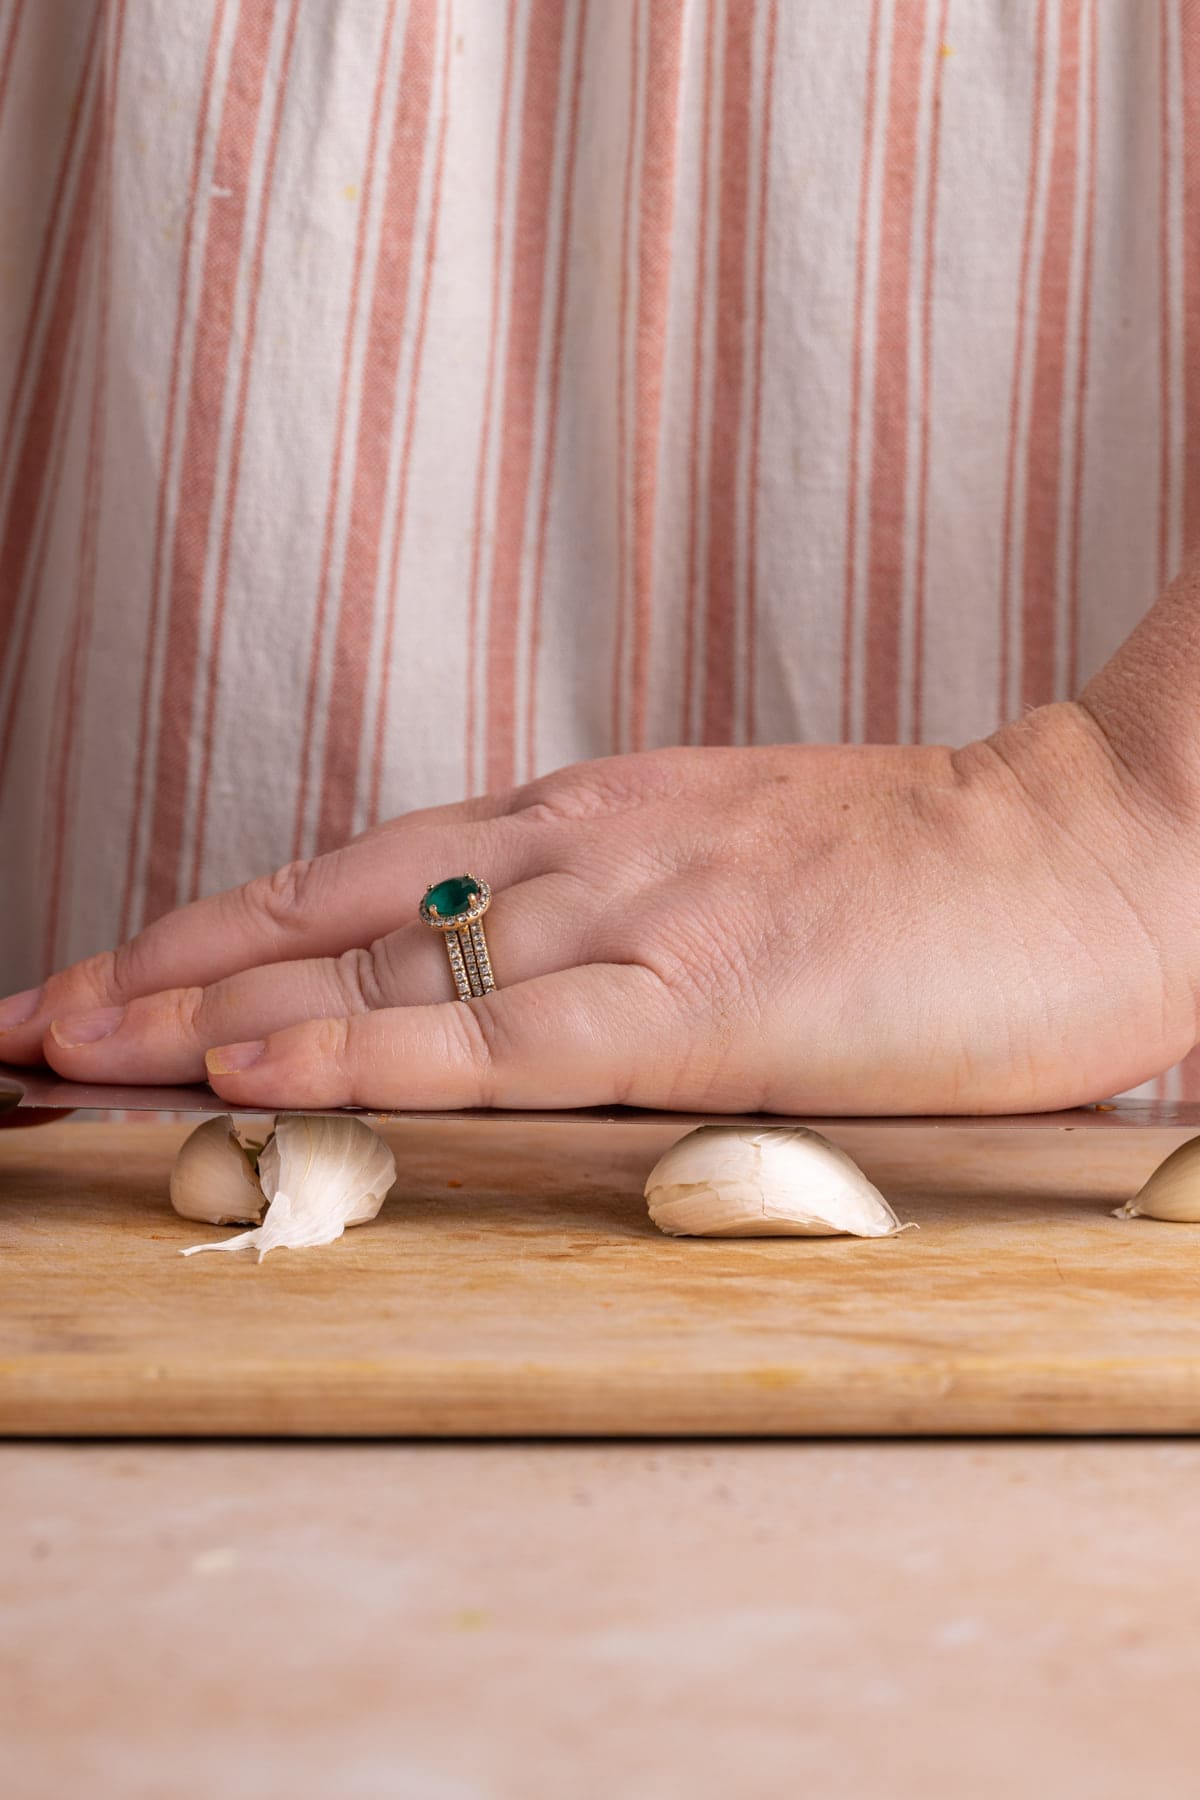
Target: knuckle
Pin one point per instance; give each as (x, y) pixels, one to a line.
(285, 897)
(694, 959)
(191, 1010)
(330, 1042)
(111, 974)
(360, 978)
(477, 1031)
(582, 792)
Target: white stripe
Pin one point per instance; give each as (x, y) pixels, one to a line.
(197, 226)
(359, 326)
(861, 474)
(385, 598)
(542, 423)
(240, 347)
(490, 450)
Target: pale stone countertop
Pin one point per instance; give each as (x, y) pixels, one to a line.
(574, 1622)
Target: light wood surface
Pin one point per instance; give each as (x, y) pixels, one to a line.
(513, 1285)
(933, 1621)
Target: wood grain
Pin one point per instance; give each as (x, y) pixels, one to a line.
(513, 1286)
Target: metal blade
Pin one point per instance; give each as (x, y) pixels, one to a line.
(42, 1088)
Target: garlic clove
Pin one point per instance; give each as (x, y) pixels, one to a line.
(319, 1172)
(1172, 1191)
(213, 1178)
(778, 1181)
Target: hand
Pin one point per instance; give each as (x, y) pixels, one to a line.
(814, 930)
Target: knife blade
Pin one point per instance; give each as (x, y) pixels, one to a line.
(42, 1088)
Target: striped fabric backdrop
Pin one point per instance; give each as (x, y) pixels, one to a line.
(399, 398)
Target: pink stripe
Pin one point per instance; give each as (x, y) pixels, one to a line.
(489, 396)
(33, 455)
(760, 311)
(339, 440)
(660, 142)
(197, 482)
(414, 391)
(10, 45)
(69, 699)
(889, 451)
(49, 240)
(927, 279)
(212, 684)
(160, 514)
(1044, 452)
(45, 536)
(368, 500)
(1019, 359)
(1189, 38)
(623, 448)
(544, 52)
(1074, 598)
(1164, 279)
(554, 384)
(699, 325)
(856, 379)
(725, 447)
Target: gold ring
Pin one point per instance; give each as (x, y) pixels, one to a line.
(455, 907)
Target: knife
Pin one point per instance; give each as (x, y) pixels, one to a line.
(42, 1088)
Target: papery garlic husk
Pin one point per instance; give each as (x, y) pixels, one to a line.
(319, 1173)
(213, 1178)
(777, 1181)
(1172, 1191)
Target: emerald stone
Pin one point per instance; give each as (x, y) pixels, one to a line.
(450, 897)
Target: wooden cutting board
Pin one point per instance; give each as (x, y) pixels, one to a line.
(513, 1285)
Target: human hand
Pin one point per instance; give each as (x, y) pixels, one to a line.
(790, 929)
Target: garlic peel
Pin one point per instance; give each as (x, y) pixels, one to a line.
(1171, 1191)
(319, 1173)
(213, 1178)
(776, 1181)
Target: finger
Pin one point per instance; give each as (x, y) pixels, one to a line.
(319, 908)
(588, 1036)
(538, 927)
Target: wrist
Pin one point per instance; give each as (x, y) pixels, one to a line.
(1145, 705)
(1120, 826)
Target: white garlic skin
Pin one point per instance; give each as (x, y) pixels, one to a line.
(319, 1173)
(772, 1181)
(1172, 1191)
(212, 1179)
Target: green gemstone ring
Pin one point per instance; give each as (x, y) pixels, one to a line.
(455, 907)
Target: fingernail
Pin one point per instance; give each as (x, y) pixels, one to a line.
(230, 1059)
(86, 1028)
(18, 1009)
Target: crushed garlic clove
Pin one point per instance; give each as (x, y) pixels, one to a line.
(319, 1173)
(214, 1176)
(777, 1181)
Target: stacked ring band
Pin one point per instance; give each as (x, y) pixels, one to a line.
(455, 907)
